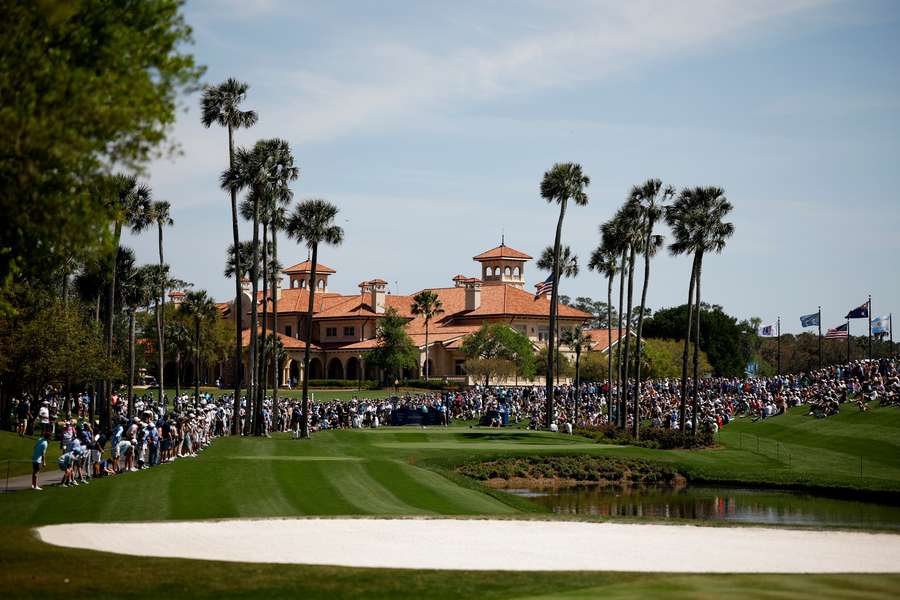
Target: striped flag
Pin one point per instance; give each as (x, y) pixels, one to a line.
(545, 287)
(838, 333)
(881, 324)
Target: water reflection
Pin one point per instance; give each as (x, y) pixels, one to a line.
(709, 503)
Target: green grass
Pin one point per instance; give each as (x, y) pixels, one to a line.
(408, 471)
(15, 454)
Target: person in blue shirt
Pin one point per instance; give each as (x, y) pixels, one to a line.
(38, 458)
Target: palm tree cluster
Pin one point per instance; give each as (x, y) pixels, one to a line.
(264, 172)
(117, 290)
(696, 218)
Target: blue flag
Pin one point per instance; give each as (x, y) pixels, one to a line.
(881, 324)
(809, 320)
(860, 312)
(767, 331)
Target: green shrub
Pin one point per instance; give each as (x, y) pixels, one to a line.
(342, 384)
(651, 437)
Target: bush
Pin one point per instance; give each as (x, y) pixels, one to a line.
(582, 468)
(651, 437)
(431, 384)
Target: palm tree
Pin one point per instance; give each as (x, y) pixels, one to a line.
(603, 260)
(563, 182)
(129, 204)
(312, 223)
(429, 305)
(649, 199)
(568, 267)
(264, 170)
(137, 286)
(615, 238)
(221, 105)
(160, 214)
(277, 221)
(576, 341)
(178, 338)
(696, 219)
(200, 308)
(632, 231)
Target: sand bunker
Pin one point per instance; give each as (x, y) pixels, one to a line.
(493, 545)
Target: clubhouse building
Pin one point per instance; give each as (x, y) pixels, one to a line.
(344, 326)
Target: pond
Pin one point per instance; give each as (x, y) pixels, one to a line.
(716, 503)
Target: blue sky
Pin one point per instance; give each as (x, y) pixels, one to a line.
(431, 124)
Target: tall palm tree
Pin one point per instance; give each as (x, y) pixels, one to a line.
(568, 267)
(137, 286)
(312, 223)
(129, 205)
(562, 183)
(429, 305)
(264, 170)
(696, 219)
(603, 260)
(200, 308)
(221, 105)
(577, 342)
(160, 212)
(278, 221)
(650, 200)
(614, 238)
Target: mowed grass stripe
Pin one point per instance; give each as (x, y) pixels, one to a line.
(310, 488)
(432, 492)
(201, 489)
(366, 494)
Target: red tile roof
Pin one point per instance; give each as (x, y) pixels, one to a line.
(601, 339)
(289, 343)
(502, 251)
(306, 267)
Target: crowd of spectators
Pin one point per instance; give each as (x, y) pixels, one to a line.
(157, 434)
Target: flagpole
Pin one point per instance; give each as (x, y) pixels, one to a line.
(848, 340)
(779, 344)
(820, 337)
(869, 318)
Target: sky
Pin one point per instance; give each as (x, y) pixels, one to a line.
(430, 125)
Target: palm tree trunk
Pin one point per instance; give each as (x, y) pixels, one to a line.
(609, 353)
(628, 332)
(131, 363)
(161, 314)
(262, 382)
(554, 294)
(577, 382)
(640, 326)
(238, 297)
(196, 362)
(110, 319)
(178, 374)
(304, 425)
(682, 416)
(275, 353)
(620, 418)
(695, 416)
(426, 349)
(254, 313)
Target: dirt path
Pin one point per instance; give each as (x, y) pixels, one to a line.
(494, 545)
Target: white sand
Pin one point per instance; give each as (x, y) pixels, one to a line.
(493, 545)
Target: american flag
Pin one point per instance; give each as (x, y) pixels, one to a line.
(545, 287)
(837, 333)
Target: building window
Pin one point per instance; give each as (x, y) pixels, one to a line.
(507, 271)
(331, 332)
(543, 334)
(349, 331)
(288, 331)
(460, 367)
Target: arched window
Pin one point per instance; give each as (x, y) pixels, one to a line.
(507, 271)
(321, 285)
(516, 272)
